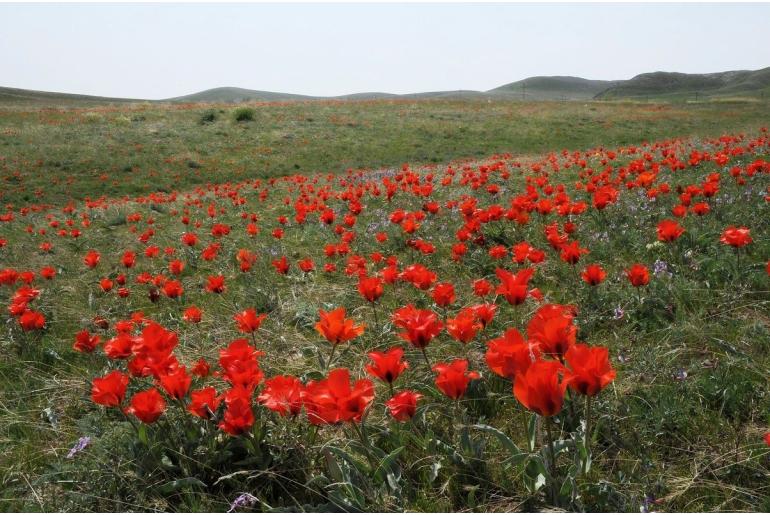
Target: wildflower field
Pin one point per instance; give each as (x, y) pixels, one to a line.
(385, 306)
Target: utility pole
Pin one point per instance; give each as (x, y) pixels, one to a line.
(523, 90)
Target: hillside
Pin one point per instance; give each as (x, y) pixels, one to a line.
(230, 94)
(670, 84)
(554, 88)
(29, 96)
(647, 86)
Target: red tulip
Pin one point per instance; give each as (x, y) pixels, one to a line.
(332, 400)
(453, 378)
(203, 402)
(176, 383)
(669, 230)
(31, 320)
(514, 287)
(638, 275)
(571, 252)
(443, 294)
(387, 366)
(464, 327)
(282, 394)
(552, 328)
(238, 417)
(92, 259)
(370, 288)
(147, 406)
(421, 325)
(85, 342)
(192, 315)
(594, 275)
(736, 237)
(541, 388)
(109, 390)
(403, 405)
(510, 355)
(248, 321)
(336, 328)
(215, 284)
(590, 368)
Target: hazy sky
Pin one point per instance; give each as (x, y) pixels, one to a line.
(164, 50)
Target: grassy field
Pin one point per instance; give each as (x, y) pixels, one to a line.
(52, 155)
(680, 428)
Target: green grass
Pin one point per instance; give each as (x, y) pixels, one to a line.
(682, 424)
(50, 156)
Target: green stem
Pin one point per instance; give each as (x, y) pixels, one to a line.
(365, 443)
(552, 458)
(331, 356)
(425, 355)
(588, 438)
(376, 319)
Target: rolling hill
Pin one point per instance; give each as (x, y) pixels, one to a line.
(647, 86)
(29, 96)
(554, 88)
(705, 85)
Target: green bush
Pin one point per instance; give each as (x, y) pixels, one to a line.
(209, 116)
(244, 114)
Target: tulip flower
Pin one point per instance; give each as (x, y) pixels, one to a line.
(388, 365)
(453, 378)
(147, 406)
(109, 390)
(282, 394)
(403, 405)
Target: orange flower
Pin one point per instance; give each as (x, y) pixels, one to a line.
(387, 366)
(147, 406)
(248, 321)
(332, 400)
(590, 368)
(638, 275)
(336, 328)
(514, 287)
(669, 230)
(453, 378)
(552, 328)
(464, 327)
(509, 355)
(541, 388)
(736, 236)
(403, 405)
(594, 275)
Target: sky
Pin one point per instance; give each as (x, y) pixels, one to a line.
(155, 51)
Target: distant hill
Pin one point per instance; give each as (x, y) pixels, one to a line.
(704, 85)
(647, 86)
(29, 96)
(229, 94)
(554, 88)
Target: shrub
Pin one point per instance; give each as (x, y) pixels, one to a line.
(209, 116)
(244, 114)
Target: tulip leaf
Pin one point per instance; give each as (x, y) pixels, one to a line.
(180, 484)
(517, 456)
(388, 468)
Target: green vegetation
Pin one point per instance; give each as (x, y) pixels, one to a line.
(555, 88)
(683, 86)
(52, 155)
(679, 429)
(244, 114)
